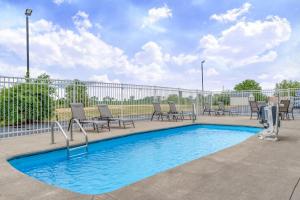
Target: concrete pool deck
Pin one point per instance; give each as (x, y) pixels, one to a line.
(253, 169)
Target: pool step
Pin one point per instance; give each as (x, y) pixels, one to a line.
(77, 148)
(77, 155)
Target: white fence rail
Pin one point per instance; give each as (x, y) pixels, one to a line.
(30, 105)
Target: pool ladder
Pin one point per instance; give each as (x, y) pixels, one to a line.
(70, 149)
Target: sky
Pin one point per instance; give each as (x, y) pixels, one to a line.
(154, 42)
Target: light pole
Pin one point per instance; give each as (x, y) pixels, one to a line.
(27, 13)
(202, 62)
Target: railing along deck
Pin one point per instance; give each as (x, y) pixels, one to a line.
(29, 106)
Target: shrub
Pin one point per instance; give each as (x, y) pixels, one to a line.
(27, 102)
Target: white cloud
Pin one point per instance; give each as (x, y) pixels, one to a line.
(263, 76)
(212, 72)
(287, 64)
(193, 71)
(279, 77)
(198, 2)
(267, 57)
(103, 78)
(53, 46)
(246, 42)
(183, 59)
(232, 15)
(155, 15)
(58, 2)
(149, 63)
(197, 71)
(288, 71)
(151, 52)
(81, 20)
(154, 63)
(267, 85)
(20, 71)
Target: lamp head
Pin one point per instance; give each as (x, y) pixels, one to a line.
(28, 12)
(203, 61)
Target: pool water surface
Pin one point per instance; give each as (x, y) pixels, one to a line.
(115, 163)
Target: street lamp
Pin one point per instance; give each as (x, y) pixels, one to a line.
(202, 62)
(28, 12)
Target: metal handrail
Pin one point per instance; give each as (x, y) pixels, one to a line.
(81, 128)
(63, 132)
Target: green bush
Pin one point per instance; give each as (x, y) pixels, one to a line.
(27, 102)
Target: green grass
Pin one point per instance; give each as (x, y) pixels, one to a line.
(64, 114)
(128, 110)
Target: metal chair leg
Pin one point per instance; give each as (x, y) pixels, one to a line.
(69, 124)
(152, 116)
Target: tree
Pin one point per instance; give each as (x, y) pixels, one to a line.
(43, 78)
(179, 99)
(132, 98)
(94, 100)
(288, 84)
(27, 102)
(288, 87)
(148, 99)
(77, 92)
(247, 85)
(173, 98)
(108, 99)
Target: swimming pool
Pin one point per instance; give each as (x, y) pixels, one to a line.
(114, 163)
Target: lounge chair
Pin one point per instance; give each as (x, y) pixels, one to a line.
(182, 114)
(105, 114)
(207, 109)
(79, 114)
(222, 110)
(254, 108)
(284, 108)
(159, 113)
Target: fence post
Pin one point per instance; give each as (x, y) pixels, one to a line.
(197, 102)
(193, 112)
(122, 100)
(277, 115)
(179, 96)
(211, 99)
(202, 100)
(74, 92)
(154, 97)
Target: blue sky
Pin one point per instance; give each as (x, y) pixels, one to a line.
(158, 42)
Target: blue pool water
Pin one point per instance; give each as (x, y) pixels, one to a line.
(115, 163)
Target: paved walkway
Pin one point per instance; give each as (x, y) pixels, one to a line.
(254, 169)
